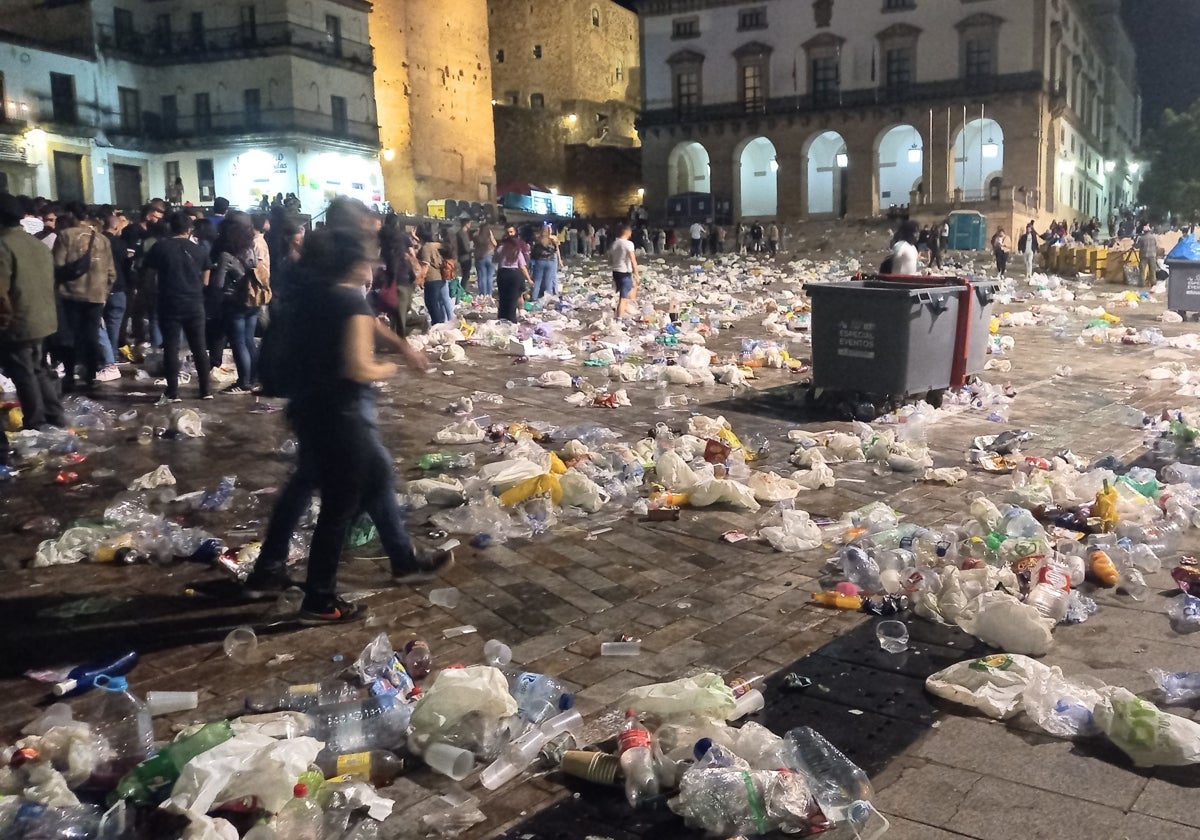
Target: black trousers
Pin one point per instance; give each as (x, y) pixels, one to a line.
(192, 327)
(79, 332)
(24, 362)
(510, 285)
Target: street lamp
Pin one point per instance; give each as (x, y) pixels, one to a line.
(991, 149)
(1110, 165)
(774, 165)
(914, 154)
(843, 160)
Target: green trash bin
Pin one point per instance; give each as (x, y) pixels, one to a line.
(896, 337)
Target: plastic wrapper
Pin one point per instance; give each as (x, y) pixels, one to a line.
(1184, 614)
(74, 545)
(484, 515)
(1145, 733)
(994, 685)
(158, 477)
(542, 485)
(729, 801)
(1178, 686)
(459, 691)
(702, 696)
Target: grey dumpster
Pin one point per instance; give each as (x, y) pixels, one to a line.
(895, 338)
(1183, 286)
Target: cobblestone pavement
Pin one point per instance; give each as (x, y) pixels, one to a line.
(695, 601)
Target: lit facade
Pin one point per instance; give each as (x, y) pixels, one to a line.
(566, 86)
(1021, 109)
(114, 101)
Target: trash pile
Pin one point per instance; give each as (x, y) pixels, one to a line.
(305, 761)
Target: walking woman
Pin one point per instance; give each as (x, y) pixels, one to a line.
(333, 412)
(512, 262)
(547, 260)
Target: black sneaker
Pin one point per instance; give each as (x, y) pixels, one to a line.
(426, 566)
(340, 612)
(268, 585)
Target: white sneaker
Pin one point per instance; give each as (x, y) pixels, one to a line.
(108, 374)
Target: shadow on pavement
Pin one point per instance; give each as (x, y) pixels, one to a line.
(68, 628)
(870, 704)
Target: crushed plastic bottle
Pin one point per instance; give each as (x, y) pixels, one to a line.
(637, 761)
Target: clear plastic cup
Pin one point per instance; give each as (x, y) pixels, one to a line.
(892, 635)
(496, 653)
(449, 761)
(241, 645)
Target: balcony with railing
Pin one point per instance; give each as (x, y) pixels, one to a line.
(917, 93)
(157, 131)
(230, 42)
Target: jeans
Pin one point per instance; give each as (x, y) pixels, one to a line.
(110, 333)
(24, 362)
(193, 330)
(437, 301)
(545, 278)
(342, 449)
(143, 308)
(485, 267)
(79, 332)
(241, 322)
(377, 502)
(510, 283)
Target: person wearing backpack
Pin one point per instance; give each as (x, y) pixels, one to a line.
(84, 272)
(244, 288)
(392, 289)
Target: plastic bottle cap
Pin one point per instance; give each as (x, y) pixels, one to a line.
(566, 701)
(300, 790)
(64, 687)
(112, 683)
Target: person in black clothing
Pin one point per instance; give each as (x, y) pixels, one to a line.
(396, 277)
(182, 271)
(331, 337)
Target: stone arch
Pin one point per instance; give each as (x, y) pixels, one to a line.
(978, 157)
(689, 169)
(899, 164)
(825, 153)
(755, 172)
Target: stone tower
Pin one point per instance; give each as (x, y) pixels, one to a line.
(433, 90)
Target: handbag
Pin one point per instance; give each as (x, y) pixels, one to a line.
(72, 270)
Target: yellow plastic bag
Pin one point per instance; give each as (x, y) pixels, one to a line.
(541, 485)
(557, 467)
(1105, 508)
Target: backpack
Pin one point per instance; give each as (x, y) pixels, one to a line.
(448, 268)
(72, 270)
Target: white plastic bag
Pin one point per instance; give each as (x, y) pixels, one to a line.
(581, 492)
(845, 447)
(772, 487)
(795, 532)
(458, 691)
(1063, 706)
(1145, 733)
(674, 473)
(695, 357)
(554, 379)
(994, 685)
(502, 475)
(821, 475)
(710, 491)
(1002, 621)
(246, 765)
(442, 491)
(704, 696)
(463, 432)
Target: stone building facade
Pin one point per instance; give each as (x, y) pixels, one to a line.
(566, 88)
(120, 100)
(824, 108)
(433, 88)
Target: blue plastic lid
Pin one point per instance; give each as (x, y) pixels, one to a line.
(566, 701)
(702, 747)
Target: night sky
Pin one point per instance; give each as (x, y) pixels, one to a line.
(1167, 36)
